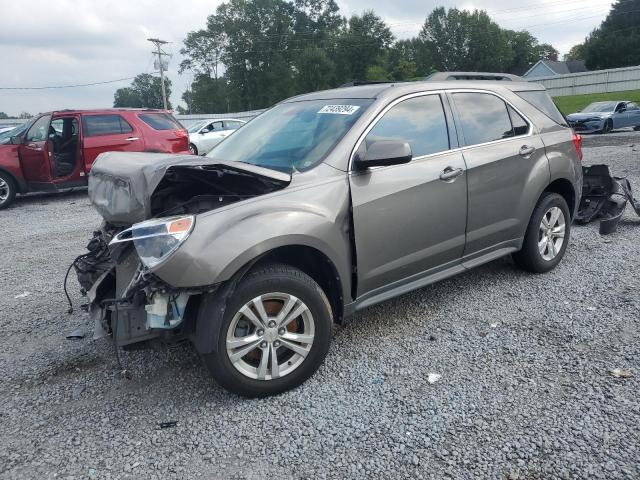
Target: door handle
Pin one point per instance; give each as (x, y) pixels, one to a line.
(132, 139)
(449, 174)
(526, 150)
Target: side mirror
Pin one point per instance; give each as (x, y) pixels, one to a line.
(16, 140)
(383, 153)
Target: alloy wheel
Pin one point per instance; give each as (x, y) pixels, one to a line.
(551, 233)
(270, 336)
(4, 190)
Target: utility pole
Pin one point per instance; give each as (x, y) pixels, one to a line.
(157, 42)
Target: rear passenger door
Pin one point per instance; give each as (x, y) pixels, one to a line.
(108, 133)
(408, 221)
(506, 162)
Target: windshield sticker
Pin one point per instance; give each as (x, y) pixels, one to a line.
(339, 109)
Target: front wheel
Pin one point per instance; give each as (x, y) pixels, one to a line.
(7, 190)
(637, 128)
(193, 149)
(608, 126)
(547, 235)
(274, 335)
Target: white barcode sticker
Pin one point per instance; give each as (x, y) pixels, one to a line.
(339, 109)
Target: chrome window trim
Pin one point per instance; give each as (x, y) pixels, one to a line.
(440, 92)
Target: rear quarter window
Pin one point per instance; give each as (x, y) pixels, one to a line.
(160, 121)
(541, 100)
(97, 125)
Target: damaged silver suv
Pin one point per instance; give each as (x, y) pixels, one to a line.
(326, 204)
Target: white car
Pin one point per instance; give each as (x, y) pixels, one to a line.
(206, 134)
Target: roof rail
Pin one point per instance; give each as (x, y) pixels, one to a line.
(355, 83)
(503, 77)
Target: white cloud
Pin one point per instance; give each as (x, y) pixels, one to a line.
(82, 41)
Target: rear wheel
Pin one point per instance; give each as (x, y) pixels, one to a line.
(547, 235)
(7, 190)
(193, 149)
(274, 335)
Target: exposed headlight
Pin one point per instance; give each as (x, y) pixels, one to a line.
(155, 240)
(594, 119)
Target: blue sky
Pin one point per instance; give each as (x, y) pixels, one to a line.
(81, 41)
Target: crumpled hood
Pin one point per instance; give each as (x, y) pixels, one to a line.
(121, 183)
(585, 115)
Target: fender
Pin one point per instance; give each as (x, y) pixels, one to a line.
(10, 164)
(224, 241)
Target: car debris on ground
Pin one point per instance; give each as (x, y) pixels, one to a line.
(604, 198)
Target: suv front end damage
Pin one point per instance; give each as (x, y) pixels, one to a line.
(149, 205)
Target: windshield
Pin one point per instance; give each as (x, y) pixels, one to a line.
(5, 137)
(292, 136)
(601, 107)
(197, 126)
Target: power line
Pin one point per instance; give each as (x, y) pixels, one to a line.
(69, 86)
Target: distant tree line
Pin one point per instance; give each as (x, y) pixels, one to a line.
(254, 53)
(273, 49)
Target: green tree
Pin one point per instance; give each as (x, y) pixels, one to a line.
(361, 45)
(145, 92)
(576, 53)
(616, 43)
(527, 51)
(4, 115)
(462, 40)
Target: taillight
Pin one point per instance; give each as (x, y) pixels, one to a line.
(577, 142)
(181, 133)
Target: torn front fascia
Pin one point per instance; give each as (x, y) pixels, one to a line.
(604, 198)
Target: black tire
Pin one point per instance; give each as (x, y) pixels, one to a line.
(637, 128)
(529, 257)
(193, 148)
(8, 190)
(608, 126)
(268, 279)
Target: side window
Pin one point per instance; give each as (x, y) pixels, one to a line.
(484, 117)
(419, 121)
(39, 131)
(96, 125)
(233, 125)
(217, 126)
(520, 125)
(632, 106)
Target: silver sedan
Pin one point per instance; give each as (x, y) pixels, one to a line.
(206, 134)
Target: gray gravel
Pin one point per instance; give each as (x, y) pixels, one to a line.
(525, 390)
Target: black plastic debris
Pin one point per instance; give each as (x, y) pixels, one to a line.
(170, 424)
(604, 198)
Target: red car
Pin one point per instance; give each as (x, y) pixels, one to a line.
(58, 149)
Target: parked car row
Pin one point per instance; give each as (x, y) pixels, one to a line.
(56, 150)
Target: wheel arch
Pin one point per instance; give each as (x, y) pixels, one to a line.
(564, 188)
(20, 186)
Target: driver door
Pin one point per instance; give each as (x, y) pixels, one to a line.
(410, 219)
(213, 135)
(35, 150)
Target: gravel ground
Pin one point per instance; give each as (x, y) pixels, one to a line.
(525, 360)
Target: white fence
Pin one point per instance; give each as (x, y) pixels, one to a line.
(597, 81)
